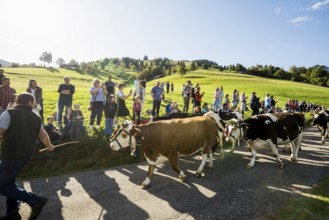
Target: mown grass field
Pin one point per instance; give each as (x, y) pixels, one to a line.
(92, 152)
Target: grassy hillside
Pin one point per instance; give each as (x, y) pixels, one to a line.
(210, 79)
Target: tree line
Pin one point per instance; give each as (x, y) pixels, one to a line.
(160, 67)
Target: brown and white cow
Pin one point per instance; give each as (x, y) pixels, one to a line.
(171, 138)
(271, 130)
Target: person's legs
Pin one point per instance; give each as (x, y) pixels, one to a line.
(60, 112)
(158, 104)
(8, 188)
(99, 112)
(108, 126)
(138, 117)
(153, 107)
(92, 116)
(41, 113)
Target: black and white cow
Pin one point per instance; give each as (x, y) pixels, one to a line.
(271, 130)
(232, 132)
(226, 116)
(321, 120)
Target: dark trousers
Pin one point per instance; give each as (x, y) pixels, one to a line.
(138, 114)
(61, 105)
(8, 187)
(156, 107)
(97, 111)
(255, 111)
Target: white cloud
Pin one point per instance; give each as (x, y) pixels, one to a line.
(299, 20)
(319, 5)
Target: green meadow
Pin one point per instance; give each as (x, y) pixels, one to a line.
(92, 151)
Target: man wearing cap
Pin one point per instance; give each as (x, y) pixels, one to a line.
(66, 91)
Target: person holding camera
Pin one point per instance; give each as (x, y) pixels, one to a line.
(122, 110)
(198, 97)
(254, 104)
(97, 100)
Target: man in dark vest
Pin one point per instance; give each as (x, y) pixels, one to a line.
(19, 128)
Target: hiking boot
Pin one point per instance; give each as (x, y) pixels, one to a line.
(37, 208)
(11, 216)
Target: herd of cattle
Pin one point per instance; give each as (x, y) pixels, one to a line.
(183, 134)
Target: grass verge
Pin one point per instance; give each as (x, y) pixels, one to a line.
(313, 205)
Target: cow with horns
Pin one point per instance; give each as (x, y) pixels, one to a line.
(271, 130)
(171, 138)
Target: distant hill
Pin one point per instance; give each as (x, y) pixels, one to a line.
(5, 63)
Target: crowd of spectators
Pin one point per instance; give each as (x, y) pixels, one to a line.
(108, 98)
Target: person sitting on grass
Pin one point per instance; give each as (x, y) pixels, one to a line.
(53, 133)
(175, 108)
(76, 123)
(169, 107)
(205, 108)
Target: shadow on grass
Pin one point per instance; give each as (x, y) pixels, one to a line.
(93, 152)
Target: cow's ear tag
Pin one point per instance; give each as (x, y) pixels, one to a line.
(247, 126)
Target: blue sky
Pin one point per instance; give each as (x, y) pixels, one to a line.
(278, 32)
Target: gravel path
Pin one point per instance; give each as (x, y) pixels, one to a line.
(229, 192)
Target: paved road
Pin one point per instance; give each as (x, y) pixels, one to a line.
(229, 192)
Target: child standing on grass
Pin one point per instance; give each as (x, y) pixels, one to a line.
(137, 109)
(110, 110)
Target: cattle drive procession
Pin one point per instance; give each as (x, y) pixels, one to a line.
(186, 142)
